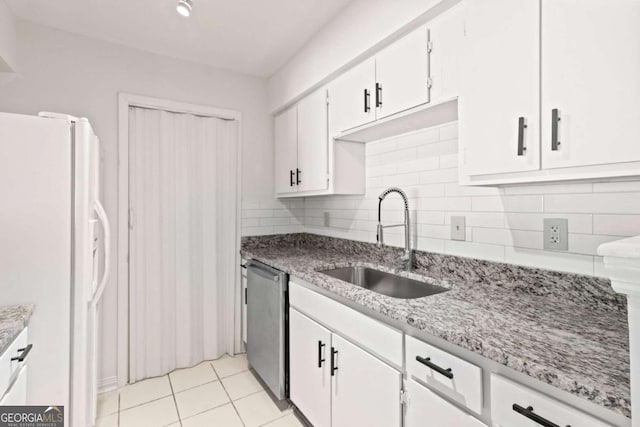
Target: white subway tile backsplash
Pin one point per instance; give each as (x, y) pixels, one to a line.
(449, 131)
(475, 250)
(551, 189)
(507, 204)
(503, 224)
(578, 223)
(479, 219)
(588, 243)
(616, 225)
(605, 203)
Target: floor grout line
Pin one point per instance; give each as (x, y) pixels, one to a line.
(227, 393)
(173, 394)
(175, 402)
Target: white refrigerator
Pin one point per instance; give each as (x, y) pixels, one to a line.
(54, 253)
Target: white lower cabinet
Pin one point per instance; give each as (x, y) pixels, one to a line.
(365, 391)
(347, 372)
(17, 394)
(13, 371)
(309, 375)
(514, 405)
(331, 379)
(426, 409)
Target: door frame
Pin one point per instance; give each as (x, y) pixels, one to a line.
(126, 100)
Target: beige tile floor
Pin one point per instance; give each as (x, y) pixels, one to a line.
(217, 393)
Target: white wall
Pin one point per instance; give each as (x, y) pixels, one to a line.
(503, 224)
(361, 28)
(7, 39)
(67, 73)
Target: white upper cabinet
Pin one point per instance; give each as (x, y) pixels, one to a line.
(352, 97)
(286, 151)
(313, 142)
(307, 161)
(402, 74)
(446, 35)
(500, 91)
(590, 75)
(582, 121)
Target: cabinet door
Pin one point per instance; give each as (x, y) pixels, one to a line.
(365, 391)
(500, 84)
(590, 69)
(446, 34)
(17, 394)
(309, 375)
(402, 74)
(352, 98)
(313, 142)
(286, 151)
(426, 409)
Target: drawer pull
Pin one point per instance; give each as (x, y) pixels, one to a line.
(528, 412)
(427, 362)
(25, 352)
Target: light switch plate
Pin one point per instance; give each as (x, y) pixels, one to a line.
(458, 228)
(556, 234)
(327, 219)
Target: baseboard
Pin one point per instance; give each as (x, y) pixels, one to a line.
(107, 384)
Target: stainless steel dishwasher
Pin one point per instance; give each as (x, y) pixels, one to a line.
(268, 326)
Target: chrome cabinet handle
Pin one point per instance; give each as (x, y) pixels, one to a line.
(555, 118)
(427, 362)
(522, 125)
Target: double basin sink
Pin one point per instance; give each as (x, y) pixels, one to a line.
(384, 283)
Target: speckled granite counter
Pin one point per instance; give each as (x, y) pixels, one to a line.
(13, 319)
(567, 330)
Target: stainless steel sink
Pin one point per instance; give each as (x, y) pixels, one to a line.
(385, 283)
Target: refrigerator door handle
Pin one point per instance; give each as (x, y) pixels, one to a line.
(102, 216)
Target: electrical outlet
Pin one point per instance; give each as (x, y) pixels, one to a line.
(458, 228)
(327, 219)
(556, 234)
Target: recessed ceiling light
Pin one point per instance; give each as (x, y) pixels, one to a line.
(184, 7)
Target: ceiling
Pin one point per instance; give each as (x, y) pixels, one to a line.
(254, 37)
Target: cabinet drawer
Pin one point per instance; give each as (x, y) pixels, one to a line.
(457, 379)
(426, 409)
(506, 394)
(8, 367)
(380, 339)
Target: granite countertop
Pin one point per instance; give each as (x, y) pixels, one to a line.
(567, 330)
(13, 319)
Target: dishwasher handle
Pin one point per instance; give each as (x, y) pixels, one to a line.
(258, 269)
